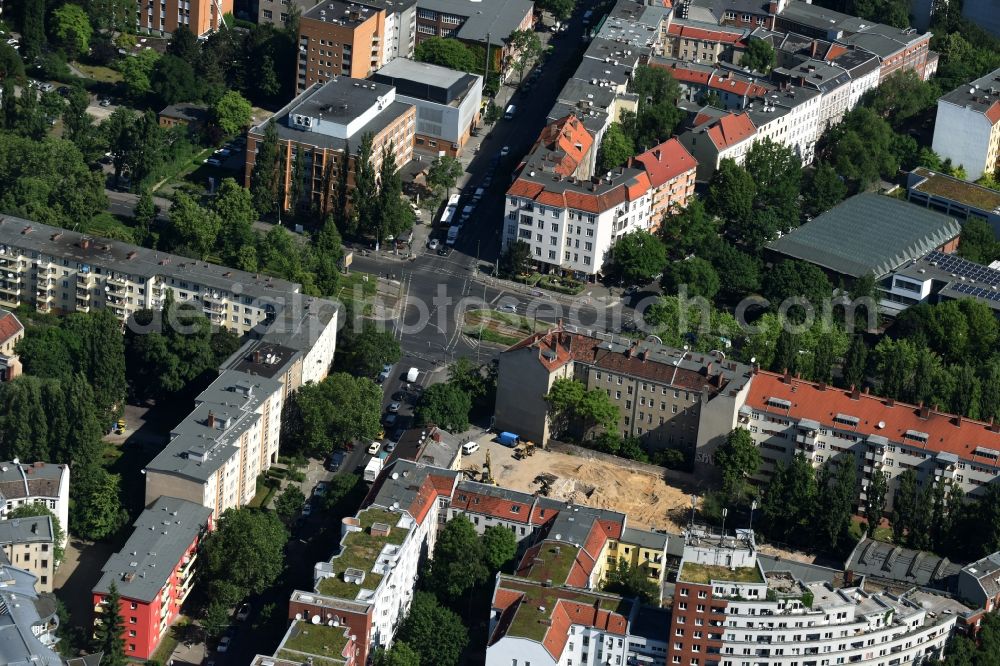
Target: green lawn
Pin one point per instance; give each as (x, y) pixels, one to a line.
(169, 642)
(99, 73)
(107, 225)
(531, 623)
(706, 573)
(316, 640)
(503, 328)
(358, 289)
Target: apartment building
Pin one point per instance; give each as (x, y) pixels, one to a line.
(790, 117)
(485, 25)
(787, 416)
(340, 38)
(692, 41)
(312, 642)
(29, 544)
(448, 103)
(954, 197)
(40, 482)
(56, 270)
(729, 611)
(28, 622)
(713, 139)
(831, 81)
(215, 454)
(11, 332)
(154, 572)
(368, 585)
(671, 171)
(163, 17)
(326, 124)
(734, 89)
(670, 398)
(967, 127)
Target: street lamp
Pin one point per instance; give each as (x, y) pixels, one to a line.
(753, 507)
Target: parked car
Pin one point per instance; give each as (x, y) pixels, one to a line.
(243, 613)
(469, 448)
(46, 87)
(444, 251)
(224, 644)
(336, 460)
(374, 448)
(399, 396)
(64, 91)
(320, 489)
(505, 151)
(390, 447)
(507, 307)
(213, 161)
(433, 244)
(105, 102)
(307, 510)
(394, 407)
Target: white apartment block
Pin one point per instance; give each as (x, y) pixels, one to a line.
(967, 128)
(61, 271)
(216, 453)
(729, 611)
(787, 416)
(40, 482)
(791, 118)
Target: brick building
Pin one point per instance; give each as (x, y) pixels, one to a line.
(164, 17)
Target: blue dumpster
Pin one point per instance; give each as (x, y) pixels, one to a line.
(509, 439)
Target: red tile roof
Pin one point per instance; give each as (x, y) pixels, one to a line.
(993, 113)
(432, 487)
(945, 432)
(666, 161)
(567, 142)
(690, 32)
(569, 613)
(731, 130)
(488, 505)
(9, 327)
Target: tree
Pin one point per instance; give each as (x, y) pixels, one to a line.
(95, 510)
(459, 562)
(232, 113)
(289, 504)
(340, 409)
(856, 362)
(444, 172)
(561, 9)
(596, 411)
(777, 173)
(901, 96)
(638, 257)
(657, 115)
(11, 65)
(40, 509)
(446, 406)
(265, 179)
(246, 551)
(875, 494)
(363, 353)
(904, 504)
(32, 29)
(136, 72)
(739, 272)
(192, 229)
(392, 214)
(109, 634)
(825, 190)
(526, 46)
(563, 398)
(400, 654)
(216, 619)
(449, 53)
(863, 148)
(759, 56)
(616, 148)
(792, 278)
(364, 195)
(515, 260)
(632, 582)
(731, 192)
(434, 632)
(696, 275)
(836, 500)
(184, 45)
(738, 458)
(977, 242)
(72, 28)
(233, 207)
(789, 500)
(499, 546)
(173, 80)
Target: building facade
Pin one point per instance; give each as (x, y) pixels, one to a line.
(154, 572)
(671, 170)
(323, 128)
(11, 332)
(484, 25)
(164, 17)
(967, 127)
(29, 544)
(717, 139)
(39, 482)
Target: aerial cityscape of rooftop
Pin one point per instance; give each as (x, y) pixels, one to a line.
(503, 332)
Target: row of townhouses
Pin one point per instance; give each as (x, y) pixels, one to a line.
(826, 61)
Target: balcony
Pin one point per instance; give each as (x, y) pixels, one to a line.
(83, 295)
(45, 295)
(85, 279)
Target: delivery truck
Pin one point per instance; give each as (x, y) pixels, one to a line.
(373, 468)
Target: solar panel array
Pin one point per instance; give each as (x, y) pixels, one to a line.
(965, 268)
(977, 292)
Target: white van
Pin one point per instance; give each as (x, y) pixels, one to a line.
(411, 375)
(510, 112)
(469, 448)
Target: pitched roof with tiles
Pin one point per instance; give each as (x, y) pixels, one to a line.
(666, 161)
(720, 35)
(10, 326)
(565, 144)
(974, 441)
(413, 486)
(731, 130)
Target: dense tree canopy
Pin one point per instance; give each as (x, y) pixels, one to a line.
(450, 53)
(637, 257)
(444, 405)
(434, 632)
(321, 417)
(244, 554)
(759, 56)
(738, 458)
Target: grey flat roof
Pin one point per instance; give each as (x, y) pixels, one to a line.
(868, 233)
(341, 12)
(36, 529)
(20, 612)
(496, 18)
(161, 536)
(116, 256)
(257, 357)
(340, 99)
(424, 72)
(189, 112)
(802, 571)
(645, 538)
(977, 95)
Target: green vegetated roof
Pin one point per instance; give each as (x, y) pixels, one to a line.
(692, 572)
(958, 190)
(553, 562)
(288, 655)
(315, 640)
(360, 550)
(531, 623)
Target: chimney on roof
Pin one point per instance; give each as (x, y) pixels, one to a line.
(889, 402)
(993, 425)
(957, 420)
(210, 421)
(821, 386)
(85, 243)
(923, 411)
(658, 154)
(786, 376)
(855, 393)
